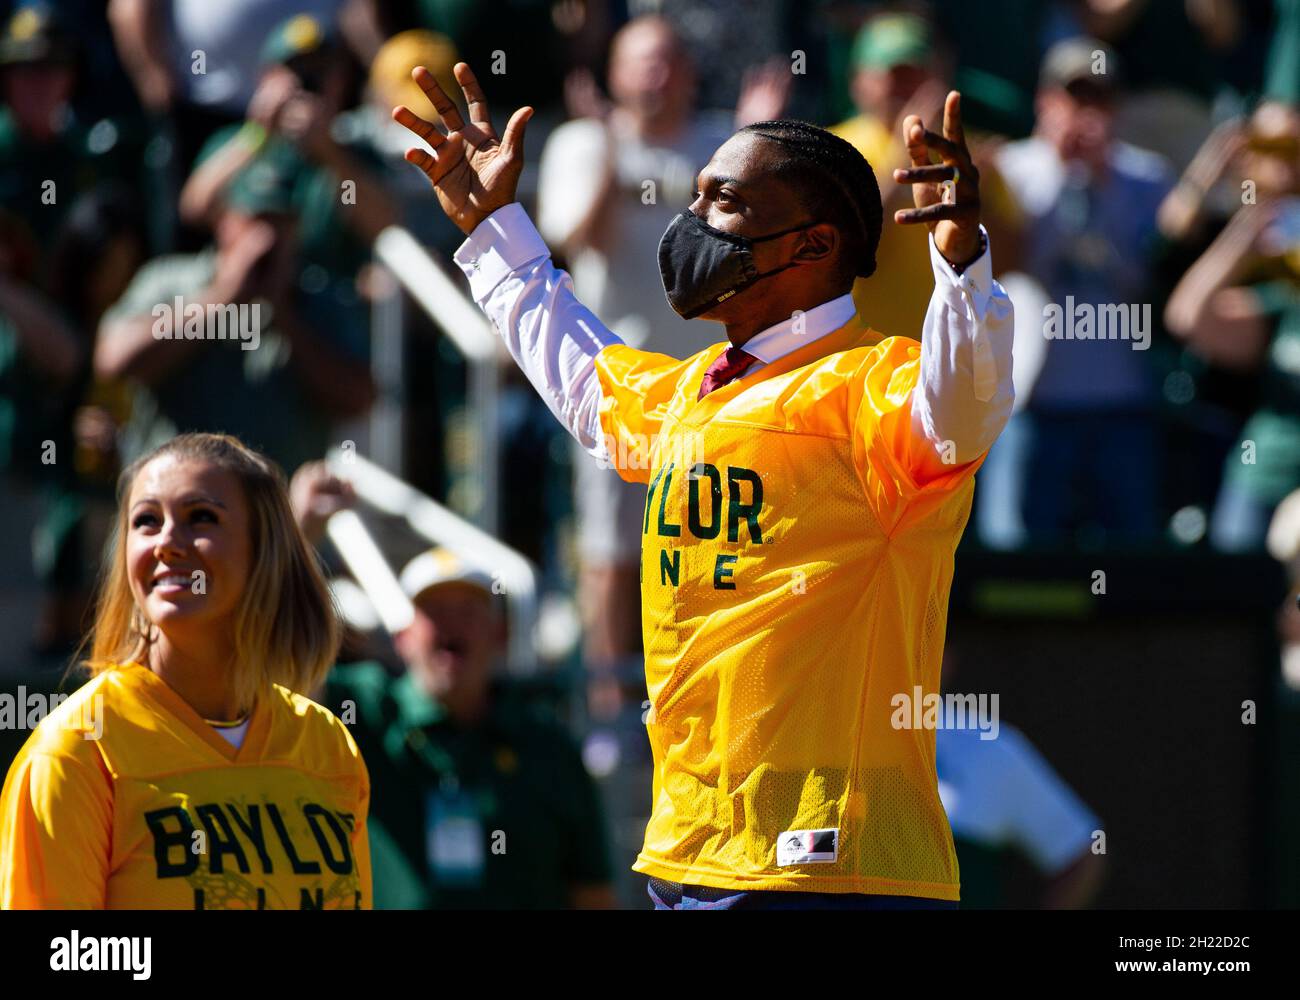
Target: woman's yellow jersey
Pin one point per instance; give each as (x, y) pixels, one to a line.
(124, 798)
(795, 573)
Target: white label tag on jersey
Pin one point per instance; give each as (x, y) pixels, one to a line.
(803, 847)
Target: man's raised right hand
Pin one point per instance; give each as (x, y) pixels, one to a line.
(473, 172)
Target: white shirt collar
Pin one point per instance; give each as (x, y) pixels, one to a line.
(777, 341)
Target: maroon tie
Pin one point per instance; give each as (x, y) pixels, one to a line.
(730, 364)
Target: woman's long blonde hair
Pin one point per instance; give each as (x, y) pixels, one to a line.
(286, 631)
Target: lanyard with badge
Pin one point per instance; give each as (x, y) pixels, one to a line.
(454, 838)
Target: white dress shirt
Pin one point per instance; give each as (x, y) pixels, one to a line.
(963, 395)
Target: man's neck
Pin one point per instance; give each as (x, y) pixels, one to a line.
(744, 330)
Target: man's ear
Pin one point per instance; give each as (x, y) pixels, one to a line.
(819, 242)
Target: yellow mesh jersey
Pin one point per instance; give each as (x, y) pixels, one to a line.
(795, 575)
(160, 812)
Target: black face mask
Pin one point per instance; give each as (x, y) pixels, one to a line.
(702, 266)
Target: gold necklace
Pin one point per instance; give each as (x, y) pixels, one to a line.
(218, 724)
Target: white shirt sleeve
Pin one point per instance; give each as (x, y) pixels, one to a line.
(964, 394)
(552, 336)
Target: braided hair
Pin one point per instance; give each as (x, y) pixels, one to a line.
(835, 183)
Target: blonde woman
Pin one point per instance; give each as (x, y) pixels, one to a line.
(190, 771)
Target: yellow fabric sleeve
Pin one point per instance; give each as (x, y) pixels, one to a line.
(56, 815)
(361, 833)
(885, 449)
(637, 388)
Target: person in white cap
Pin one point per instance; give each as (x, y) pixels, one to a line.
(482, 801)
(457, 635)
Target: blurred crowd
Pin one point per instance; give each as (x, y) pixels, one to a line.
(1140, 179)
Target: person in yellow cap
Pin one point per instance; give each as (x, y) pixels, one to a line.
(370, 126)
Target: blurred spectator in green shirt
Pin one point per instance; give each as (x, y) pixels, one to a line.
(333, 187)
(479, 800)
(48, 155)
(1238, 307)
(280, 385)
